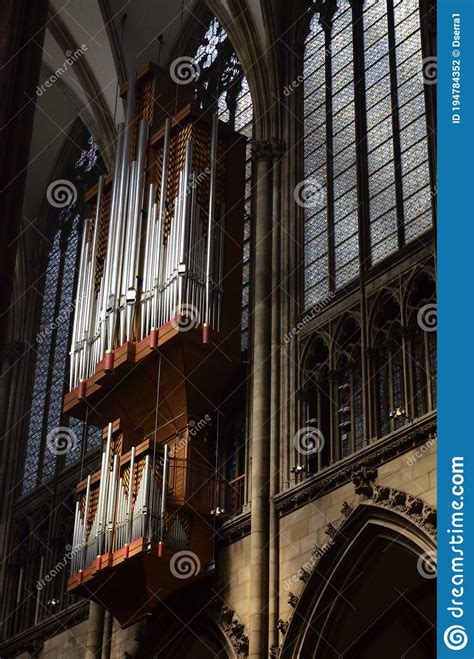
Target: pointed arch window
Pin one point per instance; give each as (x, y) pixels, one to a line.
(422, 342)
(50, 380)
(349, 395)
(389, 381)
(223, 87)
(317, 396)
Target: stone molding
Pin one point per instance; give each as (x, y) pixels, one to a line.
(343, 472)
(33, 639)
(234, 630)
(267, 149)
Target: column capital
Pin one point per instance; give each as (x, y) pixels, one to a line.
(267, 149)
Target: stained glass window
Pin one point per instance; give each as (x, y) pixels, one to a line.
(318, 405)
(223, 87)
(50, 379)
(397, 185)
(422, 337)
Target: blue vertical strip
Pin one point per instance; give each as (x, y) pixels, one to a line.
(455, 328)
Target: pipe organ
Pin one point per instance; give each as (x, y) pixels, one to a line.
(155, 344)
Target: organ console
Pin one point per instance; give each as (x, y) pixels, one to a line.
(155, 347)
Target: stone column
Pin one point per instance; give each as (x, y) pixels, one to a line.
(261, 394)
(22, 25)
(107, 635)
(274, 477)
(95, 627)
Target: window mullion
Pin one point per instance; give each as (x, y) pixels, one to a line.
(361, 137)
(327, 24)
(396, 125)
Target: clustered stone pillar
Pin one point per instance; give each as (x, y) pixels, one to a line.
(264, 152)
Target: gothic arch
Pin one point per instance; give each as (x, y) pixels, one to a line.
(258, 63)
(203, 628)
(389, 525)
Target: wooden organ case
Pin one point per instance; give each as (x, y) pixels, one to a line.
(155, 347)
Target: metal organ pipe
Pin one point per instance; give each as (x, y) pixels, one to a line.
(78, 313)
(112, 301)
(148, 261)
(114, 222)
(164, 492)
(90, 308)
(159, 246)
(103, 491)
(126, 250)
(210, 224)
(134, 248)
(130, 496)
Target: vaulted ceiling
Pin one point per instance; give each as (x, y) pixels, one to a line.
(106, 39)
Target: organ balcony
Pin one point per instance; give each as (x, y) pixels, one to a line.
(143, 523)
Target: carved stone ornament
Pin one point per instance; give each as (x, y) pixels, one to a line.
(364, 479)
(283, 626)
(303, 575)
(292, 600)
(346, 509)
(267, 149)
(373, 456)
(275, 652)
(422, 514)
(234, 630)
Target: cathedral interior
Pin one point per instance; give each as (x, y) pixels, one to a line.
(218, 329)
